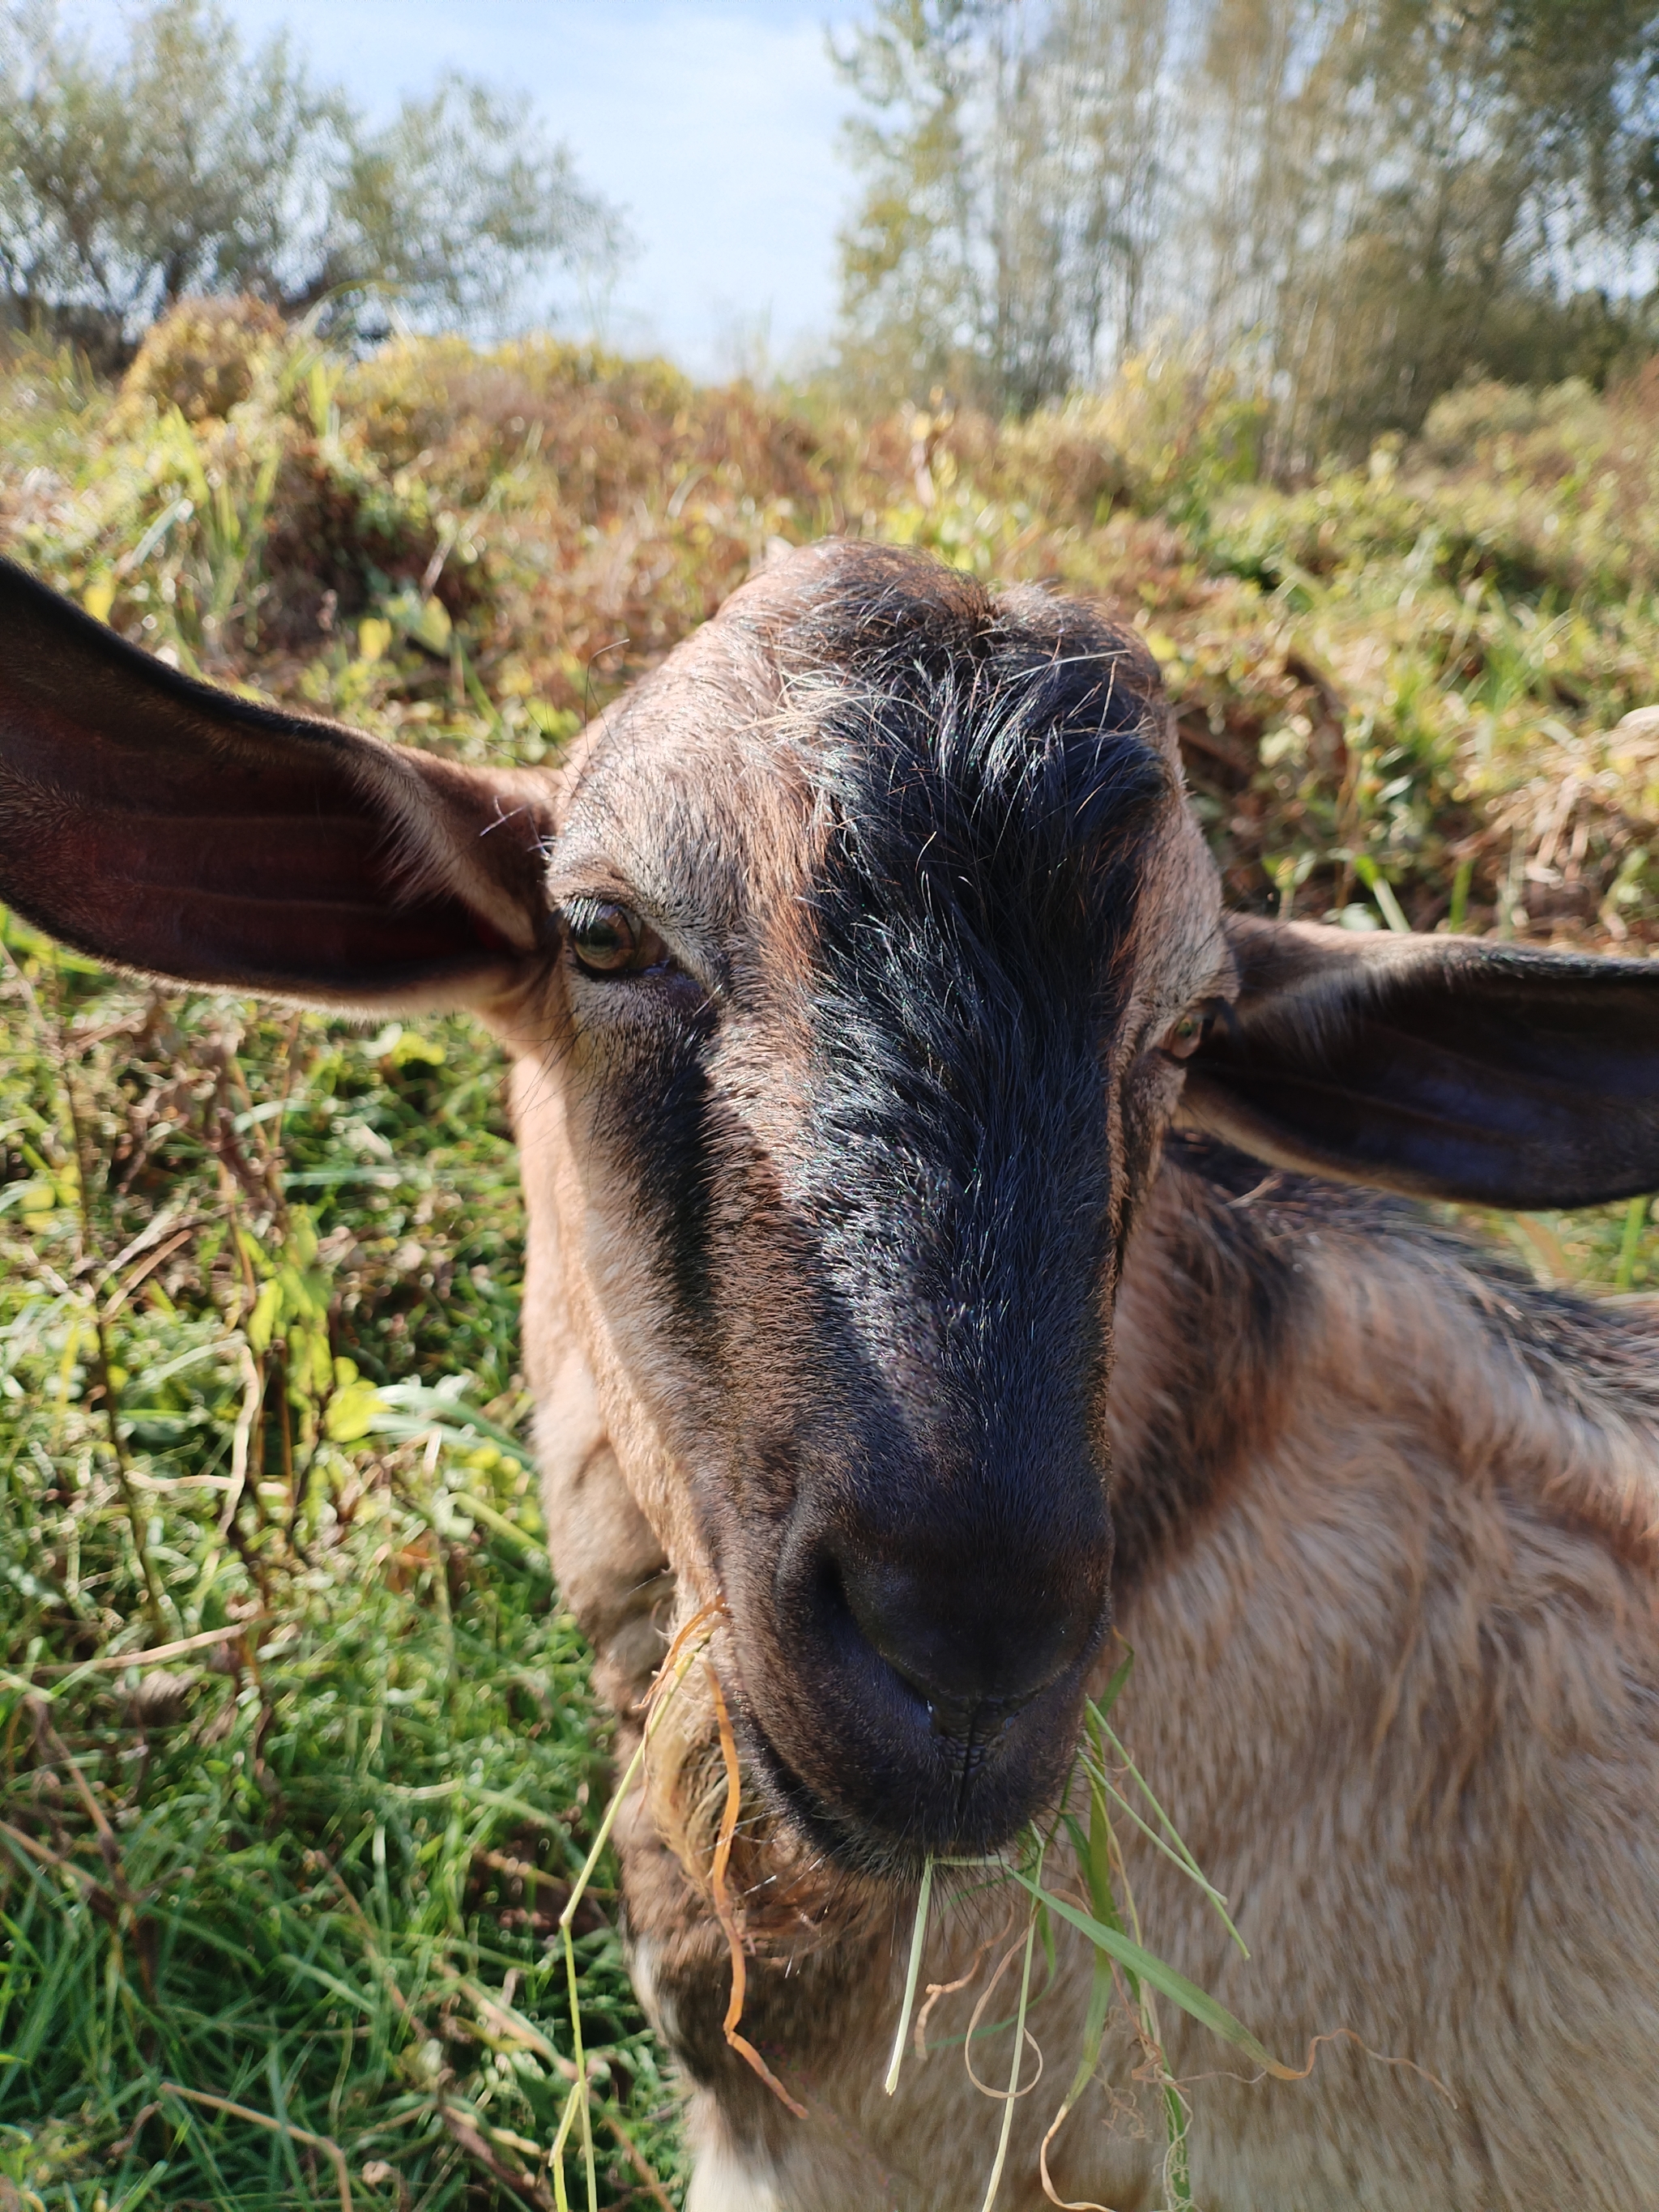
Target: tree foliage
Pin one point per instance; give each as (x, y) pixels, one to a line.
(1016, 187)
(185, 164)
(1373, 197)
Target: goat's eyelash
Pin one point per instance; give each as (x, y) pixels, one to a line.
(609, 940)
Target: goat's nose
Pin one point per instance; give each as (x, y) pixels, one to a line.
(980, 1647)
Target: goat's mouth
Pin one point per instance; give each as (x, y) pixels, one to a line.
(915, 1687)
(877, 1776)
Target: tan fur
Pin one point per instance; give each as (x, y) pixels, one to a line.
(1401, 1697)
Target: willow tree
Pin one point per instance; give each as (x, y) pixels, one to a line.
(184, 163)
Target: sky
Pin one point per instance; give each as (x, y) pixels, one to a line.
(712, 124)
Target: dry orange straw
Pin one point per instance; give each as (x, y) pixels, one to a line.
(723, 1910)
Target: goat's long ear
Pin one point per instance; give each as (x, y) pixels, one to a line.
(171, 828)
(1445, 1067)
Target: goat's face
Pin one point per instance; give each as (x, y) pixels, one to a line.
(885, 930)
(848, 1018)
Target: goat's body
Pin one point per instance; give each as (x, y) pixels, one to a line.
(1389, 1516)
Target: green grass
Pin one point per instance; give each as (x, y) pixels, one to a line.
(259, 1384)
(313, 1864)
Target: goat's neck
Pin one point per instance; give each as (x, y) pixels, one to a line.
(1262, 1316)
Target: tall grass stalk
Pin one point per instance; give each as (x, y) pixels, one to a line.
(994, 2180)
(1118, 1947)
(912, 1975)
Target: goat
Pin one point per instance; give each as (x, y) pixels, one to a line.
(957, 1244)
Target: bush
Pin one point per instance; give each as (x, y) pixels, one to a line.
(202, 358)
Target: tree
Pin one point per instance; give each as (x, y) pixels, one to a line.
(1369, 197)
(1016, 185)
(185, 165)
(1444, 183)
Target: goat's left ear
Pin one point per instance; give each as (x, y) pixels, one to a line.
(1442, 1067)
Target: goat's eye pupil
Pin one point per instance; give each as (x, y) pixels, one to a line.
(604, 937)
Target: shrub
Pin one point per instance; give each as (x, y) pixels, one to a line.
(202, 358)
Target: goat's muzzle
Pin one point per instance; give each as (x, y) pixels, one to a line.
(914, 1683)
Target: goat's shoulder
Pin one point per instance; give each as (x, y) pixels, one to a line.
(1397, 1666)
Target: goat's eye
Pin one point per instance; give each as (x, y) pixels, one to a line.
(609, 940)
(1182, 1038)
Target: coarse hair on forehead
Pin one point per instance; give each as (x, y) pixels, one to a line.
(982, 759)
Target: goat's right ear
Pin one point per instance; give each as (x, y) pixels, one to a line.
(169, 827)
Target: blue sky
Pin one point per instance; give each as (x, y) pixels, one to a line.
(713, 123)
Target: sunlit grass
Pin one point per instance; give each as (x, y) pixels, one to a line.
(296, 1743)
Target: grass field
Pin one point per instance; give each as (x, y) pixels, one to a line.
(296, 1753)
